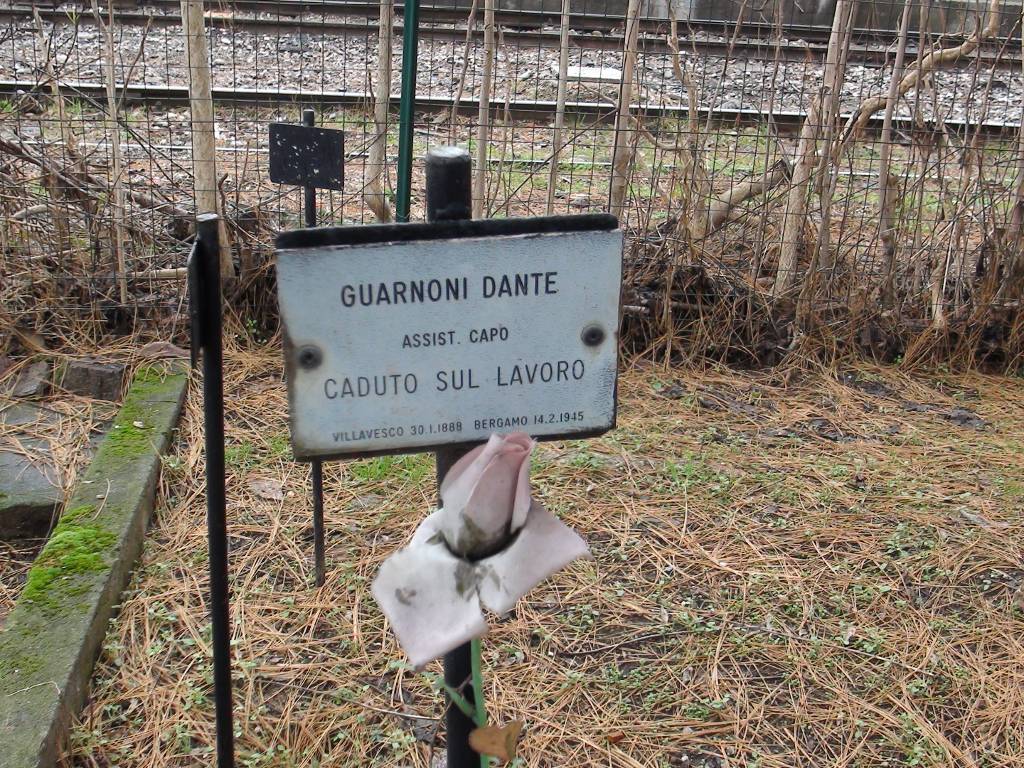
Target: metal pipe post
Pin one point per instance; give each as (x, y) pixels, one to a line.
(449, 198)
(211, 330)
(319, 553)
(406, 111)
(316, 466)
(309, 196)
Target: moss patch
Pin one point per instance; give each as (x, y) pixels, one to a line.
(126, 440)
(148, 376)
(78, 513)
(76, 548)
(15, 661)
(132, 433)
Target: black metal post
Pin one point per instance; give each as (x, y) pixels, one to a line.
(449, 184)
(407, 106)
(211, 331)
(449, 198)
(309, 198)
(316, 466)
(319, 555)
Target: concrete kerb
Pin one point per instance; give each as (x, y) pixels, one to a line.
(53, 635)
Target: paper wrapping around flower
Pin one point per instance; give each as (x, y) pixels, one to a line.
(433, 597)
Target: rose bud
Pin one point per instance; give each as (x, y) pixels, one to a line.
(486, 495)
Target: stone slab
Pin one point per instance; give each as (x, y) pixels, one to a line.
(33, 381)
(29, 495)
(92, 378)
(17, 414)
(29, 485)
(53, 635)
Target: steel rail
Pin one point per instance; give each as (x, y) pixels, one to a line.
(434, 14)
(763, 47)
(506, 17)
(520, 108)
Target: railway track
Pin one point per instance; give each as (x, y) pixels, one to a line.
(536, 109)
(520, 28)
(593, 22)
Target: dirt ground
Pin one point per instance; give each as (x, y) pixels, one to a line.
(823, 573)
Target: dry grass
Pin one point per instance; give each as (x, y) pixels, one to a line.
(59, 431)
(15, 559)
(823, 573)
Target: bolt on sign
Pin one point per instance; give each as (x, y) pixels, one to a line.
(413, 336)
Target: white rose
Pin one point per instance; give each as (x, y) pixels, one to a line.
(489, 544)
(486, 495)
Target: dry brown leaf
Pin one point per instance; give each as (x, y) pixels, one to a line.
(271, 490)
(497, 741)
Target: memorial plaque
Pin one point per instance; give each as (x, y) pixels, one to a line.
(408, 337)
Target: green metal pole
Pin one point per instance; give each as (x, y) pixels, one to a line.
(410, 40)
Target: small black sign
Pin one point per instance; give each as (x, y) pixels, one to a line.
(307, 157)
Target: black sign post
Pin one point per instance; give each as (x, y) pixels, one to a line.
(207, 335)
(449, 198)
(309, 157)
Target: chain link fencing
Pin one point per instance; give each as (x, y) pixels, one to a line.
(792, 179)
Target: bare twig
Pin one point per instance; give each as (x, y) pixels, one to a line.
(795, 215)
(466, 53)
(886, 182)
(556, 134)
(939, 58)
(483, 131)
(117, 204)
(204, 148)
(376, 164)
(622, 151)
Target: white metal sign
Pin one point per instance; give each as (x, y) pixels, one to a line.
(410, 345)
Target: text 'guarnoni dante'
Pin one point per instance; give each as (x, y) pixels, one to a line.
(435, 290)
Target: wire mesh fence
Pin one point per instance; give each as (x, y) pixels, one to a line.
(791, 178)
